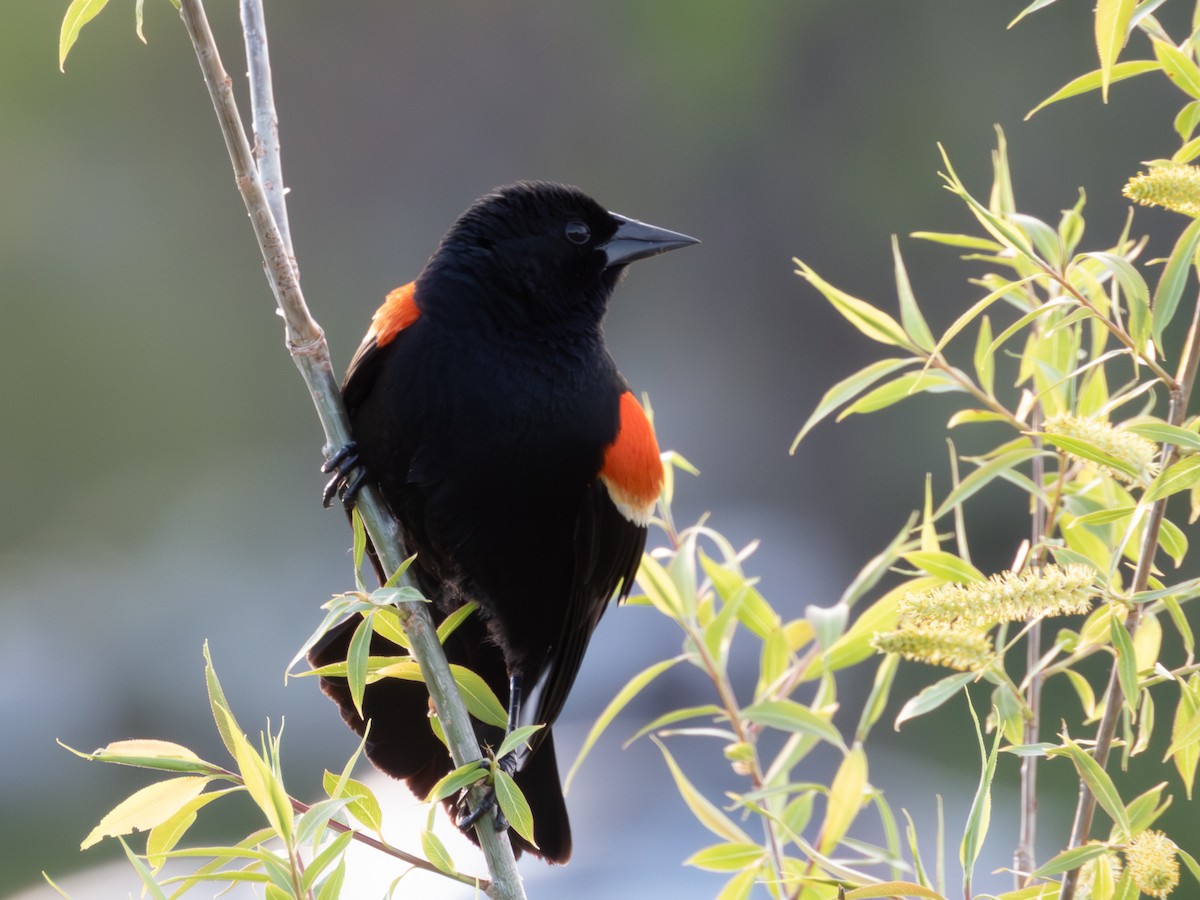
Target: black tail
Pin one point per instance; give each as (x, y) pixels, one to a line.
(402, 743)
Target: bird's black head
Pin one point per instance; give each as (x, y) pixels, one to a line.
(535, 254)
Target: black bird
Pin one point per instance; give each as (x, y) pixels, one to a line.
(518, 463)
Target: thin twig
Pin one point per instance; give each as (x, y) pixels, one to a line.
(307, 346)
(1181, 393)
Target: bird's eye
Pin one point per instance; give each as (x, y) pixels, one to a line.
(578, 233)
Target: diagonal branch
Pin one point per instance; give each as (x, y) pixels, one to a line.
(307, 346)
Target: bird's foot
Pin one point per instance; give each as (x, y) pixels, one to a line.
(487, 799)
(348, 476)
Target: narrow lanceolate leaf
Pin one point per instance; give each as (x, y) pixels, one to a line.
(847, 794)
(1112, 27)
(706, 813)
(356, 660)
(910, 314)
(1166, 434)
(980, 816)
(1179, 68)
(435, 851)
(933, 696)
(1174, 278)
(1070, 859)
(363, 804)
(152, 888)
(985, 357)
(726, 857)
(514, 806)
(901, 388)
(1089, 451)
(874, 323)
(1099, 782)
(984, 475)
(481, 700)
(1093, 80)
(788, 715)
(453, 782)
(632, 688)
(1126, 663)
(149, 754)
(79, 13)
(848, 388)
(146, 808)
(226, 724)
(1179, 477)
(892, 889)
(946, 566)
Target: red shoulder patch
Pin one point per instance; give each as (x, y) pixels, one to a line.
(632, 470)
(399, 311)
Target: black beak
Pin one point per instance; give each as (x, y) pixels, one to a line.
(636, 240)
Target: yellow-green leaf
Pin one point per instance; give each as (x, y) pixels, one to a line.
(148, 807)
(706, 813)
(632, 688)
(435, 851)
(1179, 68)
(79, 13)
(514, 805)
(847, 794)
(873, 322)
(1179, 477)
(945, 566)
(1112, 26)
(727, 857)
(363, 805)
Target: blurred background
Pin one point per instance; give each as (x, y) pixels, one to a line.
(160, 477)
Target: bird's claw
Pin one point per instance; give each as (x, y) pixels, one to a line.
(348, 476)
(487, 800)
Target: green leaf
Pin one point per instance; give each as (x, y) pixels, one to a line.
(631, 689)
(1089, 451)
(1163, 433)
(706, 813)
(226, 724)
(1032, 7)
(1130, 279)
(899, 388)
(516, 738)
(1112, 30)
(892, 889)
(980, 816)
(874, 323)
(1173, 279)
(846, 797)
(977, 309)
(1094, 80)
(163, 756)
(1187, 119)
(945, 566)
(451, 622)
(79, 13)
(788, 715)
(1179, 477)
(1126, 663)
(356, 660)
(848, 388)
(726, 857)
(1098, 781)
(984, 475)
(910, 314)
(435, 851)
(1179, 68)
(966, 241)
(334, 850)
(514, 805)
(1070, 859)
(453, 782)
(1172, 539)
(363, 804)
(985, 358)
(933, 696)
(166, 834)
(481, 700)
(147, 807)
(151, 886)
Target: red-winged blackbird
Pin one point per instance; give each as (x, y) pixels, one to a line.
(522, 470)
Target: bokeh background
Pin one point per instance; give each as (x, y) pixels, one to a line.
(159, 478)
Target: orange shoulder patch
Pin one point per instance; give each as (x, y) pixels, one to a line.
(399, 310)
(632, 470)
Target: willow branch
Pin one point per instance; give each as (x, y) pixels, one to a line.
(1181, 393)
(308, 349)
